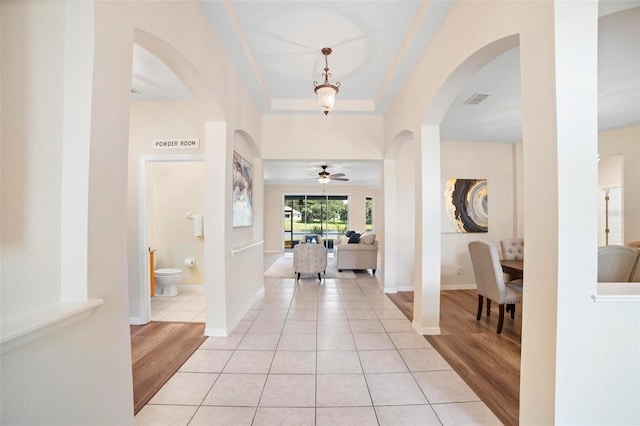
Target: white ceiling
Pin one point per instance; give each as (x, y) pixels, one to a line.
(276, 47)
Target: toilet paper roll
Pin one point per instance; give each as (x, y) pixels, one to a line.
(189, 262)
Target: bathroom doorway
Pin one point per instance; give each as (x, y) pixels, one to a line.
(171, 197)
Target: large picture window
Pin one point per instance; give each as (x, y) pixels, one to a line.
(324, 215)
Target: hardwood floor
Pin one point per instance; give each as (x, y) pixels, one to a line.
(158, 350)
(488, 362)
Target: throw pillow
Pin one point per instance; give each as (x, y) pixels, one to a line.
(367, 238)
(354, 238)
(349, 233)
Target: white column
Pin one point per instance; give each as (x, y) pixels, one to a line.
(389, 261)
(426, 308)
(218, 228)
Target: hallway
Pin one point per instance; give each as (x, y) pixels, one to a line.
(339, 352)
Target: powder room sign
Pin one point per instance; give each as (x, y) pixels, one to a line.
(176, 143)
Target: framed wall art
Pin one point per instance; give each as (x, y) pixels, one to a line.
(466, 205)
(242, 192)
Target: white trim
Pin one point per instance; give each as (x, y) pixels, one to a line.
(405, 288)
(26, 327)
(259, 294)
(390, 290)
(143, 262)
(617, 292)
(616, 298)
(426, 331)
(223, 332)
(135, 321)
(245, 247)
(458, 287)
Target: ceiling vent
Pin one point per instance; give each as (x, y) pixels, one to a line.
(476, 98)
(135, 91)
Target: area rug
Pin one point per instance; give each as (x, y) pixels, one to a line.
(283, 268)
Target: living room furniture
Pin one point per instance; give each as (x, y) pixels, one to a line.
(360, 255)
(309, 258)
(490, 281)
(617, 263)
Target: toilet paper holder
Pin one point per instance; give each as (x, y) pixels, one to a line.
(189, 262)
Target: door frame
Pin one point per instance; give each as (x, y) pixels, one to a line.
(144, 283)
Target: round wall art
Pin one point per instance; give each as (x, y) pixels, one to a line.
(467, 204)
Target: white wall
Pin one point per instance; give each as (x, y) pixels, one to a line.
(89, 360)
(404, 257)
(319, 137)
(472, 160)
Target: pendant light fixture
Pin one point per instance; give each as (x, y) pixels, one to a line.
(326, 91)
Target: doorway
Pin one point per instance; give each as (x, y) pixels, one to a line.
(172, 238)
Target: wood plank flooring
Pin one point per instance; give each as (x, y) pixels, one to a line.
(158, 350)
(488, 362)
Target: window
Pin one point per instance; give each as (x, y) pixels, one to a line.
(369, 213)
(325, 215)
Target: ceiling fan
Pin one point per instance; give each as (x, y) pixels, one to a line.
(325, 177)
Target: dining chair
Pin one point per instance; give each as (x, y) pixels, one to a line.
(309, 258)
(490, 281)
(634, 244)
(616, 263)
(512, 248)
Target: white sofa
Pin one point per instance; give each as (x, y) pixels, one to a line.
(361, 255)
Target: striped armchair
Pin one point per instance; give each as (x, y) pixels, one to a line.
(309, 259)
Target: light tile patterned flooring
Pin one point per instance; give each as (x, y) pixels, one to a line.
(186, 306)
(336, 353)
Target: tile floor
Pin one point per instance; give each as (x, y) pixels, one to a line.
(187, 306)
(336, 353)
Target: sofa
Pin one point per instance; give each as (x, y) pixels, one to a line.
(362, 254)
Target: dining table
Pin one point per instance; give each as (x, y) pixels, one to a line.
(514, 268)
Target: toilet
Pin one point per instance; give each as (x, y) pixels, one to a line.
(167, 281)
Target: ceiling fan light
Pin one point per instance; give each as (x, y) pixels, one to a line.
(324, 180)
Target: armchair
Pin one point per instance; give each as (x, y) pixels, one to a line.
(309, 258)
(617, 263)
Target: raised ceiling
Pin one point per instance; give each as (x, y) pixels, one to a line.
(276, 48)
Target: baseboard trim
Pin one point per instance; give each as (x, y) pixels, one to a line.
(390, 290)
(136, 321)
(426, 331)
(458, 287)
(215, 332)
(223, 332)
(405, 288)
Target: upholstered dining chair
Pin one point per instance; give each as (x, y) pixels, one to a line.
(512, 248)
(490, 281)
(616, 263)
(309, 258)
